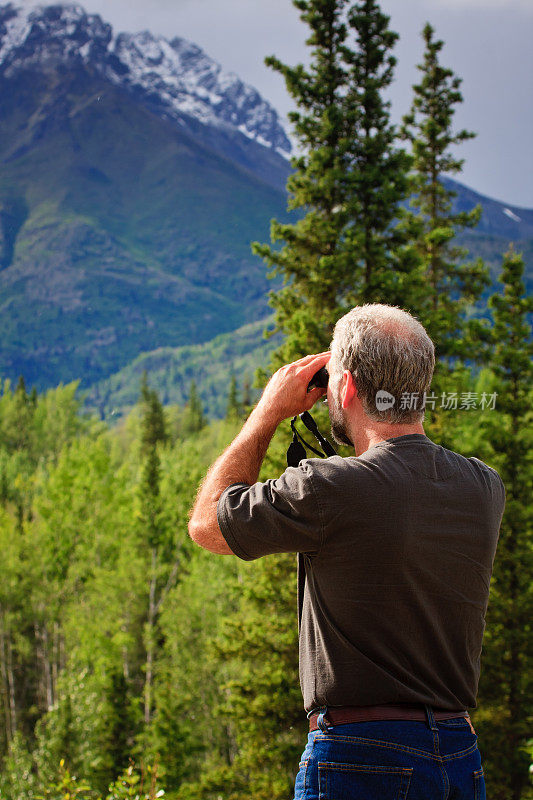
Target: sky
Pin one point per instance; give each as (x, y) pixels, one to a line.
(488, 43)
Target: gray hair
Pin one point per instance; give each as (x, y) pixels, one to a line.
(389, 355)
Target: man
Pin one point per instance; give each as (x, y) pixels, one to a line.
(398, 544)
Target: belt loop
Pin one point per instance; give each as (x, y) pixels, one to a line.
(431, 718)
(322, 722)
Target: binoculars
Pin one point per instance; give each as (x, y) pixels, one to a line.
(319, 380)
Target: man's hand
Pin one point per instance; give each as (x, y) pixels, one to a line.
(286, 394)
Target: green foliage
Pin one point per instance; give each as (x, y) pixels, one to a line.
(260, 705)
(136, 786)
(67, 787)
(81, 598)
(506, 683)
(187, 732)
(153, 428)
(378, 168)
(17, 778)
(130, 785)
(153, 434)
(86, 605)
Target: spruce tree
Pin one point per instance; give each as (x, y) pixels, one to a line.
(246, 393)
(377, 171)
(233, 408)
(153, 425)
(21, 387)
(193, 419)
(447, 286)
(348, 177)
(506, 686)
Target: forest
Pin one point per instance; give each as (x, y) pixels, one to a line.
(134, 664)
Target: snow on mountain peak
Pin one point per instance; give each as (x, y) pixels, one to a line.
(511, 215)
(39, 34)
(178, 74)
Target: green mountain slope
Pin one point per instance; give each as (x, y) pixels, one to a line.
(120, 232)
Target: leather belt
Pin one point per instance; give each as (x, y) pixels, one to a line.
(343, 715)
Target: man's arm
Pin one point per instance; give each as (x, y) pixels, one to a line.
(284, 396)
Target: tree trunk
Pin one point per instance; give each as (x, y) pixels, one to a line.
(47, 670)
(5, 686)
(11, 684)
(150, 642)
(125, 664)
(55, 660)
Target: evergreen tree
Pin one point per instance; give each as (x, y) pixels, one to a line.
(349, 178)
(154, 426)
(153, 432)
(246, 393)
(153, 524)
(193, 419)
(21, 388)
(506, 698)
(233, 408)
(378, 169)
(447, 287)
(122, 722)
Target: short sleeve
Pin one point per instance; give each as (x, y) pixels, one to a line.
(281, 515)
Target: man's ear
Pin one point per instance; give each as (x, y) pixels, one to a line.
(348, 389)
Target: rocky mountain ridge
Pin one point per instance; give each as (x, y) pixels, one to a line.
(176, 75)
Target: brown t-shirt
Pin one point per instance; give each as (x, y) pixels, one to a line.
(398, 546)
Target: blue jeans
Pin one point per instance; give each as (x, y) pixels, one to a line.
(392, 760)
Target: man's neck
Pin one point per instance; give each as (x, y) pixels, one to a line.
(366, 436)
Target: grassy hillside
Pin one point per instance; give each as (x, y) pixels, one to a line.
(171, 371)
(120, 233)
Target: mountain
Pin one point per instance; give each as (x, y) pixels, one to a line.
(134, 173)
(126, 226)
(508, 222)
(175, 78)
(172, 369)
